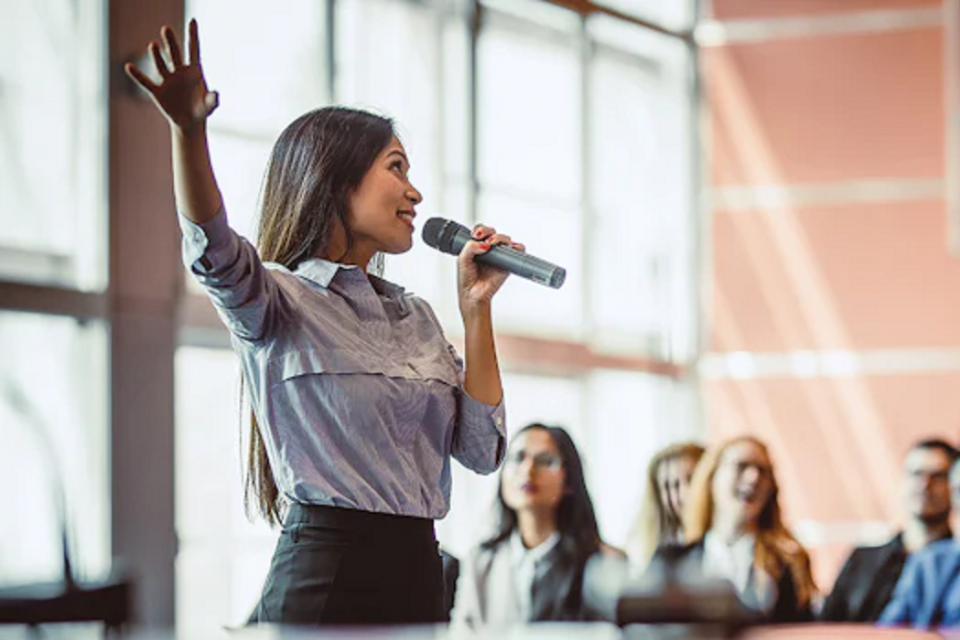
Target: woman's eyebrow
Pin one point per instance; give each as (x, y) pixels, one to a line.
(399, 153)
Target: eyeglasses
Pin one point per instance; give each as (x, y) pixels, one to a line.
(541, 461)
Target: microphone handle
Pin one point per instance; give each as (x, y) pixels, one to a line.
(516, 262)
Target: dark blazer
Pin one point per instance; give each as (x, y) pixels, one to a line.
(866, 582)
(786, 609)
(561, 588)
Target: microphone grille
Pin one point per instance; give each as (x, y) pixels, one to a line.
(431, 231)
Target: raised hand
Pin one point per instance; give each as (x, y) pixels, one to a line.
(182, 94)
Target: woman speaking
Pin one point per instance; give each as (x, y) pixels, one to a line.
(359, 402)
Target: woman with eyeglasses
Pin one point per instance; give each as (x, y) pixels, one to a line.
(734, 531)
(546, 554)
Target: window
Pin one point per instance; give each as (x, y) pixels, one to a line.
(53, 408)
(223, 557)
(53, 143)
(529, 164)
(640, 170)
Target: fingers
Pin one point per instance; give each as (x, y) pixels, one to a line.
(194, 43)
(488, 237)
(173, 47)
(481, 231)
(158, 60)
(140, 78)
(497, 239)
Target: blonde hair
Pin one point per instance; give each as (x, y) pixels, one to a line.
(776, 549)
(656, 524)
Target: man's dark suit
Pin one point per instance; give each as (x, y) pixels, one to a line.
(866, 582)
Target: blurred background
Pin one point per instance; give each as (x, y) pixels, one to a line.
(752, 199)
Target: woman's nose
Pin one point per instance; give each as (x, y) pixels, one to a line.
(414, 196)
(751, 474)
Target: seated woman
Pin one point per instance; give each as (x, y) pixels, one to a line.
(547, 549)
(733, 531)
(667, 483)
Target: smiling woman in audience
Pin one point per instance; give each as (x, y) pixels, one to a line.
(734, 531)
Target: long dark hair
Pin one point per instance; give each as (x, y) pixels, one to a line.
(576, 518)
(318, 160)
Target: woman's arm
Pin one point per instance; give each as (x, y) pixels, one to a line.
(182, 97)
(481, 369)
(226, 265)
(480, 438)
(477, 286)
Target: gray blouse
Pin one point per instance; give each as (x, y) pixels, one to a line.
(358, 394)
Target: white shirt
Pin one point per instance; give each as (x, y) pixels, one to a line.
(734, 562)
(524, 562)
(500, 594)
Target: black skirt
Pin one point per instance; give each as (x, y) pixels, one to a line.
(343, 566)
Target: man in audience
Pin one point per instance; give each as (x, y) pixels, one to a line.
(928, 593)
(867, 580)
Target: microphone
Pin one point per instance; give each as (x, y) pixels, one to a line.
(450, 237)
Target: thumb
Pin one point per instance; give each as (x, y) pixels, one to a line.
(211, 101)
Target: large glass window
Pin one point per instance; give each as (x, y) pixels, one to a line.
(53, 143)
(223, 555)
(530, 163)
(641, 165)
(53, 439)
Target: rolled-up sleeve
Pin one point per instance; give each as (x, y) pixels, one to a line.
(228, 267)
(479, 440)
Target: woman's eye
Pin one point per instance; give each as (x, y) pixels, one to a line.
(398, 166)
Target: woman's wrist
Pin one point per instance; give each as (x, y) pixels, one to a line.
(195, 132)
(474, 310)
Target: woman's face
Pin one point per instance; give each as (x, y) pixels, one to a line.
(533, 475)
(743, 483)
(382, 206)
(673, 481)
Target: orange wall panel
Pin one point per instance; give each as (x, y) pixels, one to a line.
(737, 9)
(827, 109)
(858, 276)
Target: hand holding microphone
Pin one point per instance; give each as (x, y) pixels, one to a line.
(450, 237)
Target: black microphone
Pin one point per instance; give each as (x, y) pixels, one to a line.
(450, 237)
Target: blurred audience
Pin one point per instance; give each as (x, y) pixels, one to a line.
(547, 550)
(660, 521)
(928, 592)
(733, 530)
(867, 580)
